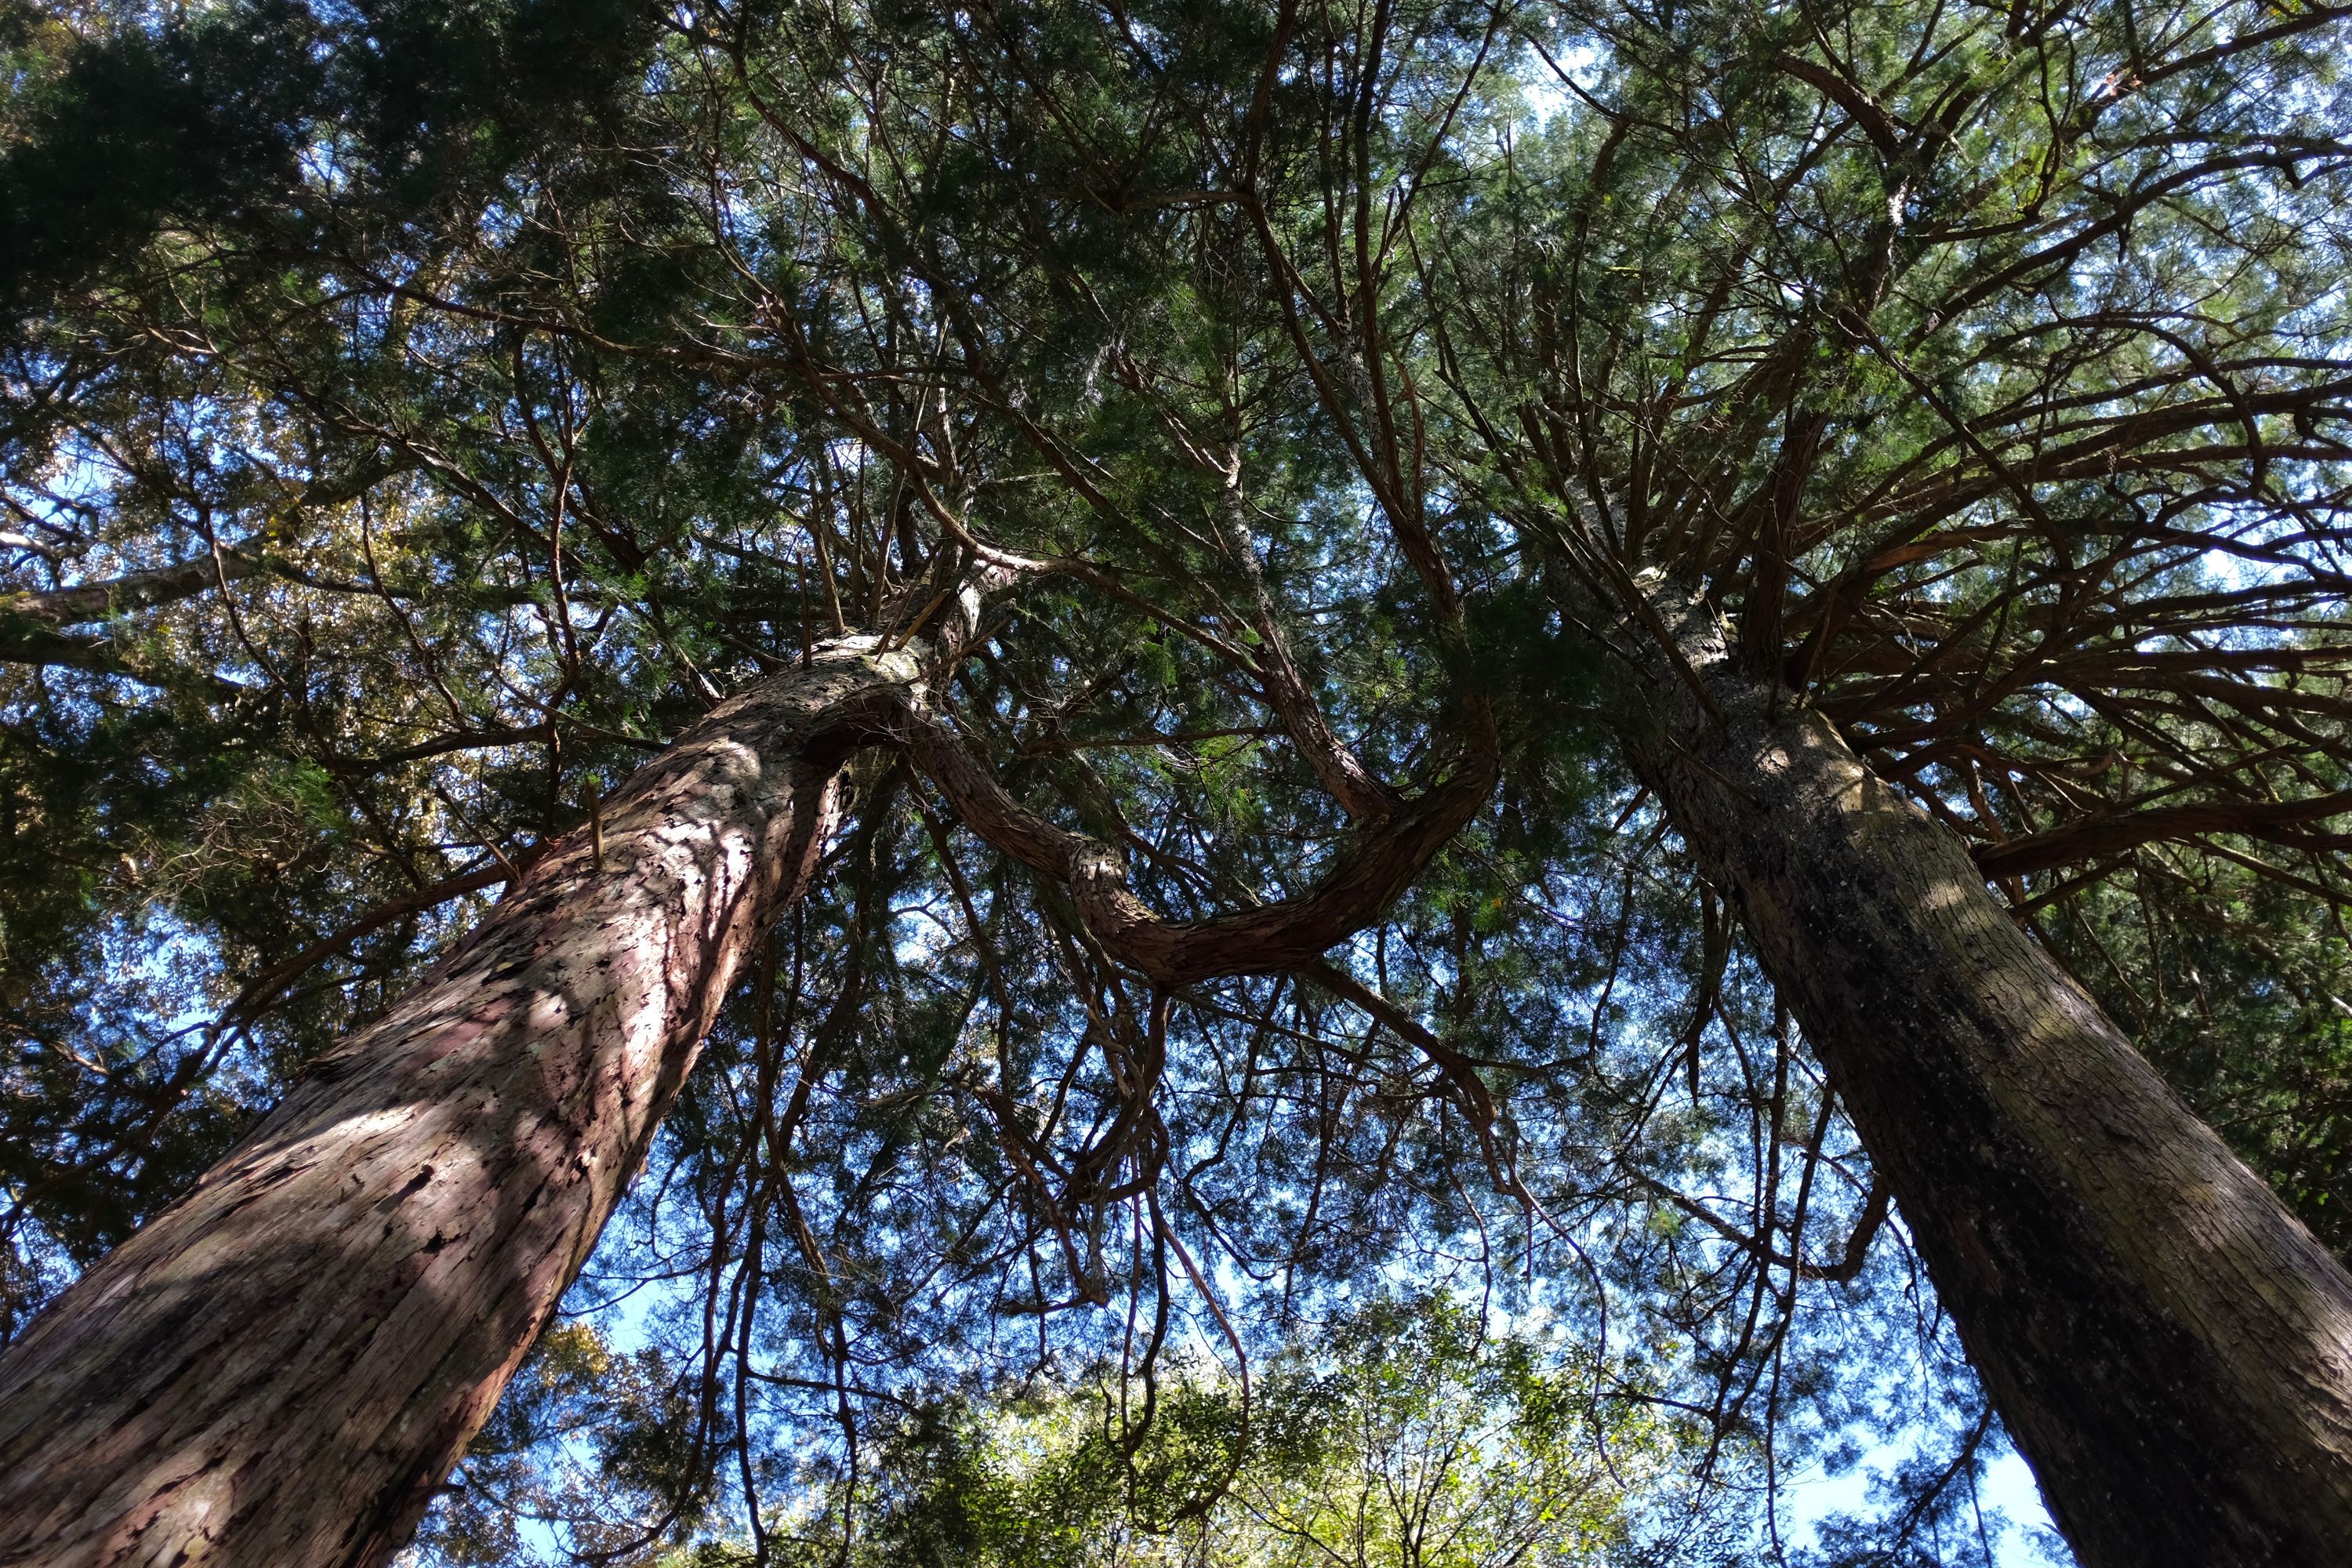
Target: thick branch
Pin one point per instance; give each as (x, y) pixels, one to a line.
(1378, 864)
(1884, 130)
(40, 645)
(1458, 1068)
(132, 591)
(2109, 835)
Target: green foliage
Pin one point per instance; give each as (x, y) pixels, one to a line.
(621, 1426)
(1405, 1436)
(125, 122)
(529, 375)
(2241, 991)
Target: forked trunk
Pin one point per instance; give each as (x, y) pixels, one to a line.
(279, 1369)
(2169, 1348)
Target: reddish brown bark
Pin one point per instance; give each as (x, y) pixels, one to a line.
(280, 1367)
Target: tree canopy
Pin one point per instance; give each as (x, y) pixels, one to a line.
(416, 415)
(1409, 1432)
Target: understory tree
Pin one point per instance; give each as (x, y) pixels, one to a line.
(1408, 1432)
(1024, 694)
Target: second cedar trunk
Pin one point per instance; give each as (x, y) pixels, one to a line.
(2169, 1348)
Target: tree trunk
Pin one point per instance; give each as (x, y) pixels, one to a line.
(279, 1369)
(2168, 1347)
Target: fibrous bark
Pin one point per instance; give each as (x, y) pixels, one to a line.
(2169, 1348)
(280, 1368)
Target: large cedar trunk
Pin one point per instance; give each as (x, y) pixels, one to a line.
(279, 1369)
(2168, 1347)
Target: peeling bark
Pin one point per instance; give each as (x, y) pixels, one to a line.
(2168, 1347)
(280, 1368)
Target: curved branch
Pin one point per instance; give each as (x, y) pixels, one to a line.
(1378, 864)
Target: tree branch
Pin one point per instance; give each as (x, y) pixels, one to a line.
(1380, 861)
(2088, 839)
